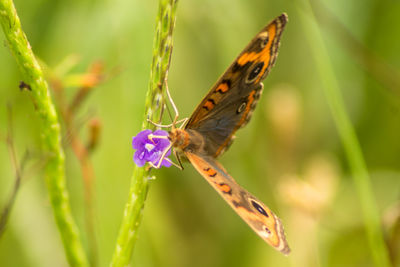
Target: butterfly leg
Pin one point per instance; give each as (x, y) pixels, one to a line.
(170, 161)
(153, 136)
(183, 121)
(163, 157)
(178, 158)
(175, 120)
(173, 163)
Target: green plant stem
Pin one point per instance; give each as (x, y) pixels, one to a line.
(162, 49)
(348, 136)
(50, 132)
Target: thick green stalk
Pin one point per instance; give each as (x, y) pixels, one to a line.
(162, 49)
(349, 139)
(50, 132)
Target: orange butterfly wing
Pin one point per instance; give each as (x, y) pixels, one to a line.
(230, 103)
(226, 108)
(257, 215)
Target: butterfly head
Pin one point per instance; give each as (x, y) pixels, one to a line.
(186, 140)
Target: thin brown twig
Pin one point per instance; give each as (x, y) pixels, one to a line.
(81, 150)
(18, 174)
(91, 79)
(82, 154)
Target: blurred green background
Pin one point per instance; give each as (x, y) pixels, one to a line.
(290, 155)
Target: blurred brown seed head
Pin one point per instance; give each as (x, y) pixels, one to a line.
(391, 215)
(94, 75)
(94, 134)
(284, 111)
(316, 190)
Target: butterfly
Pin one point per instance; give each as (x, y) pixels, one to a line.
(226, 108)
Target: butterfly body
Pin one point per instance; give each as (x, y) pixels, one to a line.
(226, 108)
(187, 141)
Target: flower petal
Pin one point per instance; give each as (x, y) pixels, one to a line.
(140, 139)
(166, 163)
(160, 142)
(151, 150)
(163, 143)
(140, 161)
(160, 132)
(154, 157)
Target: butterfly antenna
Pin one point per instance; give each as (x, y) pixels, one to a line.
(175, 121)
(160, 125)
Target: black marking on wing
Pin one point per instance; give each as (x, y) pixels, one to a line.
(255, 72)
(259, 208)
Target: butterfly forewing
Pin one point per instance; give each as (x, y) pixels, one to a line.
(229, 104)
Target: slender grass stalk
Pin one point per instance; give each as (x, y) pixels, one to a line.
(162, 49)
(348, 136)
(50, 131)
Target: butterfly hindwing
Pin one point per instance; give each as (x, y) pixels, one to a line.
(229, 104)
(258, 216)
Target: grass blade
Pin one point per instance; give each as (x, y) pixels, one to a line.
(162, 49)
(348, 136)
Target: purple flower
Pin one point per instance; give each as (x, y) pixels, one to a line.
(150, 148)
